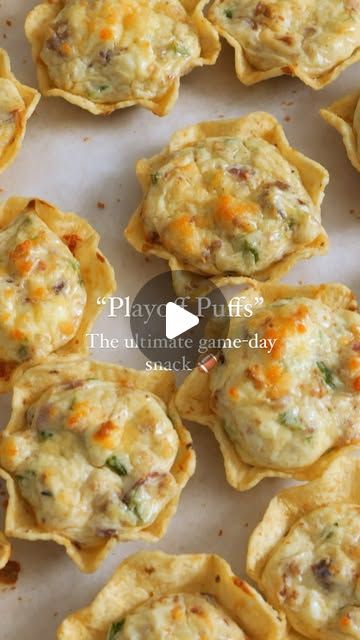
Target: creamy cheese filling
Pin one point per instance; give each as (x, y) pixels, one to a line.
(315, 573)
(184, 616)
(114, 50)
(284, 406)
(94, 459)
(314, 35)
(229, 205)
(42, 296)
(11, 106)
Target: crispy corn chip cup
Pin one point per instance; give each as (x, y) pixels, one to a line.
(17, 104)
(4, 551)
(38, 28)
(321, 511)
(195, 402)
(344, 116)
(146, 576)
(29, 385)
(258, 125)
(249, 74)
(81, 242)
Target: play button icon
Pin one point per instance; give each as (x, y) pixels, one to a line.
(178, 320)
(170, 330)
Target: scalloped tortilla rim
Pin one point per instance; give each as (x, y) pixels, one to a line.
(249, 75)
(193, 397)
(340, 115)
(36, 25)
(339, 483)
(30, 97)
(133, 584)
(96, 272)
(29, 384)
(5, 550)
(260, 124)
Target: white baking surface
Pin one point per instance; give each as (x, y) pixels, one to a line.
(75, 160)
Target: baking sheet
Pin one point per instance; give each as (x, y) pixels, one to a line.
(76, 161)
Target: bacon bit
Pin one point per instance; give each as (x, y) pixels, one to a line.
(242, 585)
(356, 384)
(104, 435)
(287, 39)
(100, 205)
(356, 346)
(66, 328)
(10, 573)
(41, 265)
(263, 10)
(71, 240)
(242, 173)
(233, 393)
(106, 34)
(100, 257)
(153, 237)
(288, 70)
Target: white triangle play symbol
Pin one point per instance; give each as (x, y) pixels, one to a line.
(178, 320)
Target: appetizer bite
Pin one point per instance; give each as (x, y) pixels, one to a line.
(344, 116)
(17, 104)
(51, 275)
(313, 40)
(110, 54)
(230, 197)
(93, 454)
(284, 397)
(304, 555)
(4, 551)
(168, 597)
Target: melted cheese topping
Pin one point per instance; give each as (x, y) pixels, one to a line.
(11, 106)
(315, 574)
(189, 616)
(314, 35)
(227, 205)
(286, 408)
(94, 459)
(114, 50)
(41, 292)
